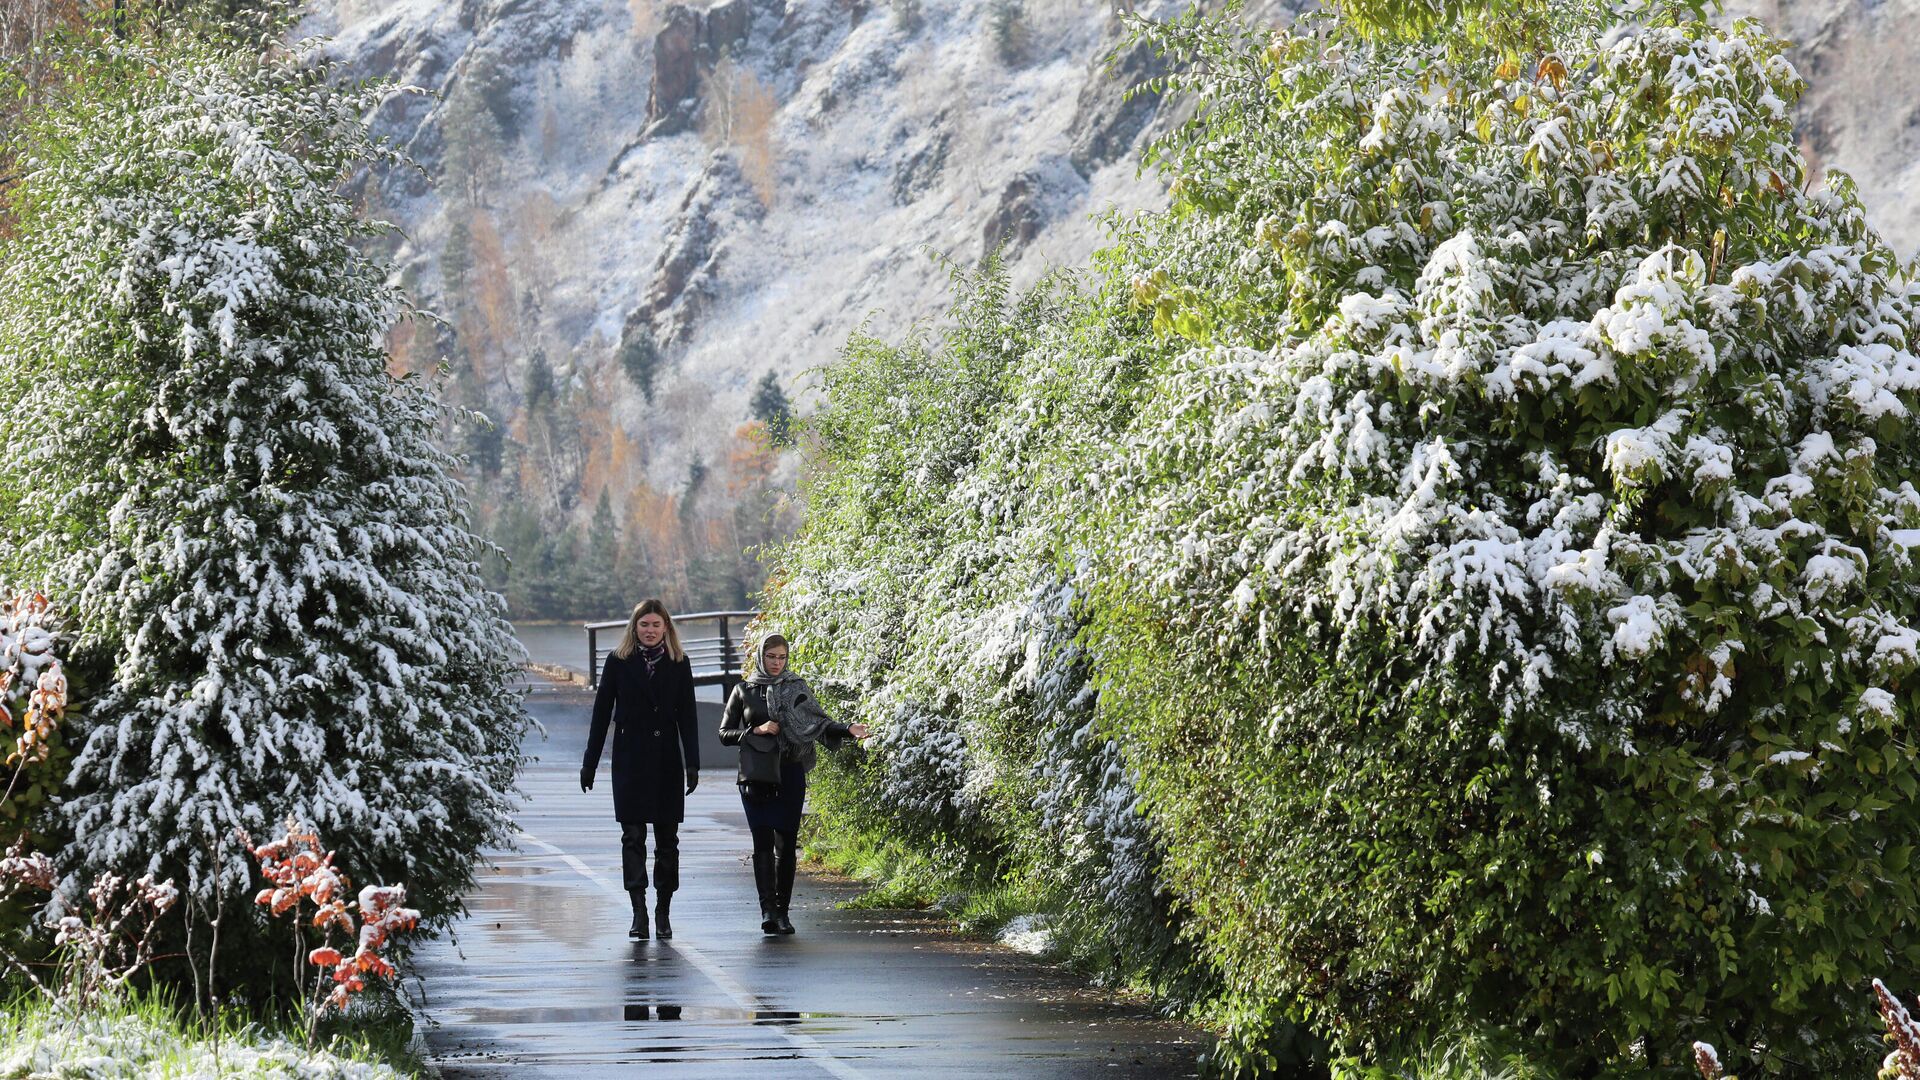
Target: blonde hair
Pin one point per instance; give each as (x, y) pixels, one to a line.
(630, 640)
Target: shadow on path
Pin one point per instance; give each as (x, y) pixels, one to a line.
(541, 981)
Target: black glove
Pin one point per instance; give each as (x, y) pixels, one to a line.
(693, 780)
(586, 778)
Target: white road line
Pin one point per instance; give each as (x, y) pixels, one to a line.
(808, 1046)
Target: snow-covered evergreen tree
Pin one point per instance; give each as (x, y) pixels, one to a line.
(265, 555)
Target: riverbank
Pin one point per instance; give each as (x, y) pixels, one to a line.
(558, 673)
(560, 646)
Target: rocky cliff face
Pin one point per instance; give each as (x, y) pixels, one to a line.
(666, 201)
(1862, 112)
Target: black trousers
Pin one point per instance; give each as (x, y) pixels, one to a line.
(666, 856)
(773, 852)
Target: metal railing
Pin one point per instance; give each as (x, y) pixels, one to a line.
(718, 657)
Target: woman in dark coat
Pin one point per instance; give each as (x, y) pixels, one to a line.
(646, 693)
(775, 702)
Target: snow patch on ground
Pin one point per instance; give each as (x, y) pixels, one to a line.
(133, 1047)
(1029, 934)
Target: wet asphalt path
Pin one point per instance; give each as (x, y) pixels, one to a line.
(541, 981)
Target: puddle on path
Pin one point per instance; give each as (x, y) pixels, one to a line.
(641, 1013)
(522, 869)
(558, 910)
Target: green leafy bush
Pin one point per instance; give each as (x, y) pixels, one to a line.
(1454, 558)
(952, 627)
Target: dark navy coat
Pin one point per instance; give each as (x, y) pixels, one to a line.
(654, 739)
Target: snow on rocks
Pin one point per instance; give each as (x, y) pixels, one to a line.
(889, 137)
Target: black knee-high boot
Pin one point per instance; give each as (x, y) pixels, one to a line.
(666, 875)
(783, 881)
(662, 916)
(633, 873)
(763, 882)
(639, 928)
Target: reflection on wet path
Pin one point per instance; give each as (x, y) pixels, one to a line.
(541, 980)
(611, 1013)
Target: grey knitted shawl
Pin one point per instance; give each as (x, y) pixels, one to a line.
(794, 706)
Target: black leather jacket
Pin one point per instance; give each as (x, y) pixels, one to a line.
(747, 709)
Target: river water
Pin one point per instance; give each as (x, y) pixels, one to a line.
(564, 644)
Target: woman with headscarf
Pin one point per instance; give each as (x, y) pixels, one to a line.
(646, 694)
(773, 701)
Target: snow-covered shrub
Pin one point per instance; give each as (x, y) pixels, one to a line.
(1516, 545)
(1092, 847)
(261, 552)
(1484, 493)
(35, 694)
(888, 634)
(927, 597)
(1903, 1061)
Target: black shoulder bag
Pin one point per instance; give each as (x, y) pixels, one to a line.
(759, 767)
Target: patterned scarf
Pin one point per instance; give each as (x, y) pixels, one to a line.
(793, 705)
(651, 655)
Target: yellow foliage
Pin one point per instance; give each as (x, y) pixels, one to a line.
(740, 112)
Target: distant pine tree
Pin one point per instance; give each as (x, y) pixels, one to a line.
(456, 256)
(638, 357)
(539, 389)
(774, 411)
(477, 433)
(602, 572)
(696, 482)
(1006, 21)
(606, 533)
